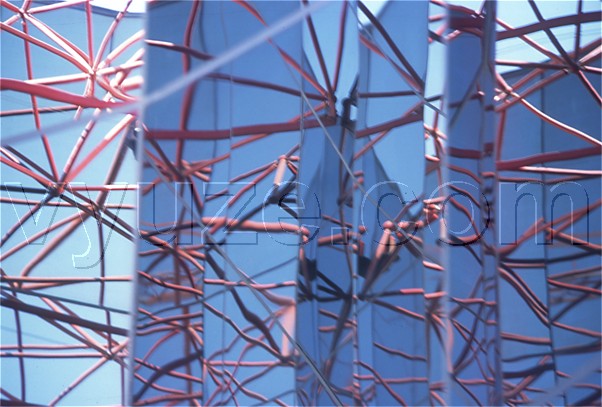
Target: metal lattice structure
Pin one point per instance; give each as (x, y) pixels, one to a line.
(68, 200)
(335, 205)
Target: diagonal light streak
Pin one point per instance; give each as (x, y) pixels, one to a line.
(182, 81)
(342, 157)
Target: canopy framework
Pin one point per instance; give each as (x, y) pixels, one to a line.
(68, 201)
(291, 232)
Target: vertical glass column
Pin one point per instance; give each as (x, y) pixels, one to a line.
(470, 216)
